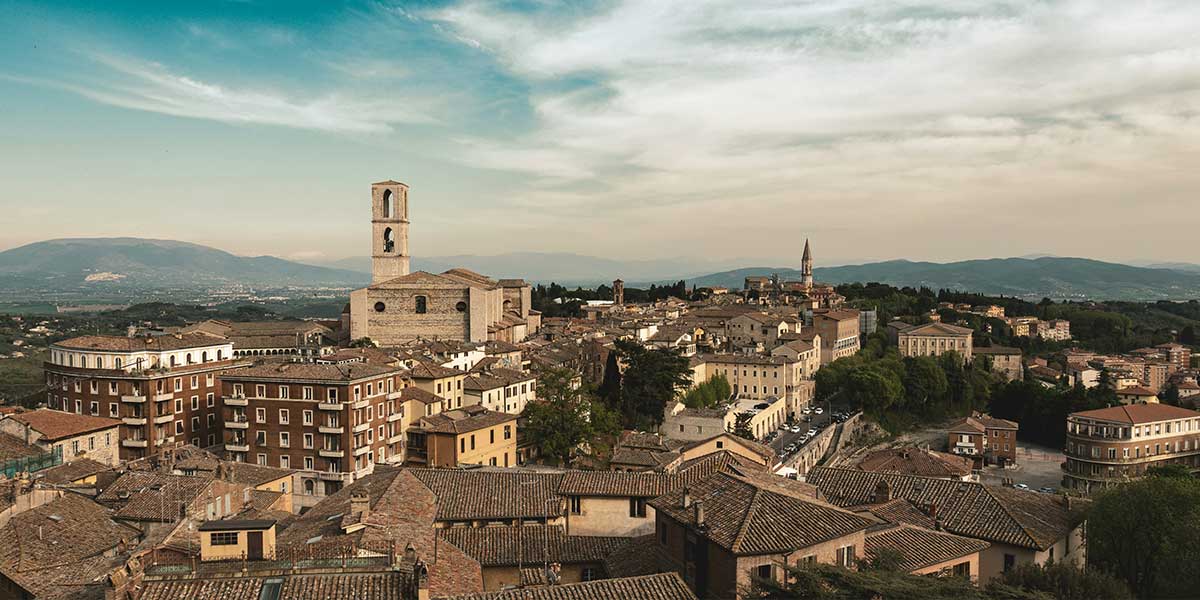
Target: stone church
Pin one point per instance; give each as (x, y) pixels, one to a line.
(400, 306)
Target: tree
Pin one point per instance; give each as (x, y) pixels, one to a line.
(365, 342)
(829, 582)
(561, 418)
(713, 392)
(652, 378)
(610, 387)
(873, 388)
(925, 384)
(1066, 582)
(1145, 533)
(741, 426)
(1187, 335)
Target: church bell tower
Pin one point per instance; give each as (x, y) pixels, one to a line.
(389, 230)
(806, 267)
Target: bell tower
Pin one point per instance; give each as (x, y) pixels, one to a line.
(389, 230)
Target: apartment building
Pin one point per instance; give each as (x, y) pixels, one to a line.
(1117, 444)
(839, 333)
(1006, 361)
(163, 389)
(499, 389)
(468, 436)
(334, 422)
(758, 377)
(72, 436)
(985, 438)
(936, 339)
(444, 382)
(1178, 355)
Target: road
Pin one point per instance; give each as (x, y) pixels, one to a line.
(786, 437)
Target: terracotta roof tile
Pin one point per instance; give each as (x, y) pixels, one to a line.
(617, 484)
(920, 548)
(529, 544)
(665, 586)
(56, 424)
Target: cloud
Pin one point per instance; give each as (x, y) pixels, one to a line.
(923, 102)
(148, 86)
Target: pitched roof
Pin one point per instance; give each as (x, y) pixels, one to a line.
(420, 395)
(996, 514)
(749, 516)
(617, 484)
(979, 424)
(58, 534)
(704, 466)
(481, 494)
(529, 545)
(462, 420)
(663, 586)
(56, 424)
(639, 457)
(641, 555)
(427, 370)
(152, 496)
(919, 547)
(72, 471)
(916, 461)
(760, 449)
(161, 343)
(942, 329)
(1138, 413)
(13, 447)
(376, 585)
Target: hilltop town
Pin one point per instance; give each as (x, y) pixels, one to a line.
(454, 435)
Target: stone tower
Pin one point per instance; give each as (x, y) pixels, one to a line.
(389, 230)
(618, 290)
(806, 267)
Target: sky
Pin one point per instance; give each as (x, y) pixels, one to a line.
(920, 129)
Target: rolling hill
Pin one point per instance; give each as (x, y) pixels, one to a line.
(1054, 277)
(145, 263)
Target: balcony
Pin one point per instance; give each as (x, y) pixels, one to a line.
(392, 418)
(134, 421)
(361, 427)
(361, 450)
(241, 423)
(360, 403)
(167, 418)
(236, 400)
(133, 399)
(329, 406)
(328, 453)
(330, 476)
(331, 429)
(394, 395)
(396, 439)
(163, 397)
(236, 447)
(134, 443)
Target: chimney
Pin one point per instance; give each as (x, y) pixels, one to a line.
(360, 503)
(933, 511)
(699, 512)
(687, 497)
(883, 492)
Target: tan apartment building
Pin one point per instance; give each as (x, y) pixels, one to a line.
(468, 436)
(758, 377)
(163, 389)
(333, 422)
(935, 339)
(1178, 355)
(612, 503)
(1006, 361)
(839, 333)
(74, 436)
(499, 389)
(1117, 444)
(443, 382)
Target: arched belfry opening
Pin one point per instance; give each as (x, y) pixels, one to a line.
(389, 228)
(387, 204)
(389, 240)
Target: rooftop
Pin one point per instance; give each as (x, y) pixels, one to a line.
(464, 420)
(920, 548)
(161, 343)
(663, 586)
(57, 425)
(1138, 413)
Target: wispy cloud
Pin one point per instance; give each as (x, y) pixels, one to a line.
(141, 85)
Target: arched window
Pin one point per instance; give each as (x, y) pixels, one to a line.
(420, 302)
(309, 486)
(172, 360)
(220, 355)
(117, 362)
(387, 204)
(389, 241)
(204, 356)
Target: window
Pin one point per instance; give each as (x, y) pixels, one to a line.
(285, 439)
(195, 402)
(260, 415)
(112, 388)
(763, 571)
(637, 508)
(284, 392)
(308, 464)
(223, 538)
(589, 574)
(308, 417)
(260, 391)
(178, 427)
(112, 410)
(845, 556)
(420, 302)
(285, 462)
(94, 408)
(196, 423)
(1010, 561)
(260, 438)
(194, 382)
(262, 459)
(210, 400)
(380, 307)
(306, 393)
(308, 440)
(283, 416)
(178, 405)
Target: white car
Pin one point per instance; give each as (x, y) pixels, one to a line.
(1021, 486)
(818, 410)
(807, 411)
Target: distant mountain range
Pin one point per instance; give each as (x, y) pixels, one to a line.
(117, 264)
(144, 263)
(1054, 277)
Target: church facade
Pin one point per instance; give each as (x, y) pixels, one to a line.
(400, 307)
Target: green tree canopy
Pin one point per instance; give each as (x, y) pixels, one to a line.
(564, 416)
(652, 378)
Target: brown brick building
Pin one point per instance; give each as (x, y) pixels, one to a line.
(164, 389)
(334, 422)
(1117, 444)
(986, 438)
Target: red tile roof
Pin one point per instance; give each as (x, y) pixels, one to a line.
(1138, 413)
(56, 425)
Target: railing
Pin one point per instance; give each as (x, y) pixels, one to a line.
(31, 464)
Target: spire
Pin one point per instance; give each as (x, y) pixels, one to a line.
(807, 253)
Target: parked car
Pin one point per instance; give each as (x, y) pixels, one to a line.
(807, 410)
(1047, 490)
(818, 410)
(795, 429)
(1020, 486)
(812, 432)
